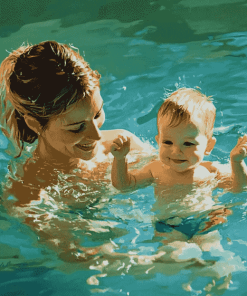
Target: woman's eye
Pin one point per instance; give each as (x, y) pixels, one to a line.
(168, 142)
(97, 115)
(81, 128)
(188, 144)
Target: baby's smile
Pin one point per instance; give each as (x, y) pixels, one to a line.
(178, 160)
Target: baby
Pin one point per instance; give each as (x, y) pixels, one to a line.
(185, 134)
(185, 211)
(183, 181)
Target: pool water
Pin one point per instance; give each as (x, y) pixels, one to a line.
(144, 53)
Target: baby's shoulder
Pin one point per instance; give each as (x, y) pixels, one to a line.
(157, 169)
(155, 164)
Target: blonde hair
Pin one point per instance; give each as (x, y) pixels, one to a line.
(41, 81)
(187, 104)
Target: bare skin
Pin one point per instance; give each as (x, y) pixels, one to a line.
(70, 141)
(180, 174)
(181, 151)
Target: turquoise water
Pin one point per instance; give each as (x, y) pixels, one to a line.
(143, 51)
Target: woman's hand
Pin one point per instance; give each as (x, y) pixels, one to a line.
(239, 152)
(120, 146)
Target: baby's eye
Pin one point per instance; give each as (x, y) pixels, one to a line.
(81, 128)
(188, 144)
(167, 142)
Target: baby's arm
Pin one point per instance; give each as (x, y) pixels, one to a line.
(239, 169)
(121, 178)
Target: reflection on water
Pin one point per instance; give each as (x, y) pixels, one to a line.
(78, 231)
(75, 226)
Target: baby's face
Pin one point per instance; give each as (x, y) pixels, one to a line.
(183, 147)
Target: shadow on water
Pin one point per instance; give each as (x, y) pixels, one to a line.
(172, 21)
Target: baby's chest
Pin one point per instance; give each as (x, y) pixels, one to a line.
(162, 176)
(199, 175)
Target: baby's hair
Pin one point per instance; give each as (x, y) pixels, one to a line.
(41, 81)
(186, 104)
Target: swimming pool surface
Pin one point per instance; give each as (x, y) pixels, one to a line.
(144, 50)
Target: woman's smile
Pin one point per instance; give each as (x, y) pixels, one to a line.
(86, 147)
(60, 137)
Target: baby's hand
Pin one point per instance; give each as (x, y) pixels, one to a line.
(120, 147)
(239, 152)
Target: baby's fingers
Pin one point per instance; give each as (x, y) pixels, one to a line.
(242, 140)
(124, 138)
(240, 153)
(243, 150)
(114, 147)
(119, 141)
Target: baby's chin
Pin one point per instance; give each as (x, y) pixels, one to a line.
(181, 167)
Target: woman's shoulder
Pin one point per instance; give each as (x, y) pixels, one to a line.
(112, 134)
(216, 167)
(135, 143)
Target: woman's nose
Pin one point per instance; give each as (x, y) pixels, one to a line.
(93, 132)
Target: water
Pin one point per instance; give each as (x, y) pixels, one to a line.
(143, 50)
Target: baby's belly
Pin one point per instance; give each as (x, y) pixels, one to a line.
(181, 201)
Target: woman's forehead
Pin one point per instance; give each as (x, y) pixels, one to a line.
(83, 110)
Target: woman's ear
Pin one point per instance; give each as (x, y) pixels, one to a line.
(33, 124)
(210, 145)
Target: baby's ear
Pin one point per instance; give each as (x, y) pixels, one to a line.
(157, 139)
(210, 145)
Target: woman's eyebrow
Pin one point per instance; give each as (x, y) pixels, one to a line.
(75, 123)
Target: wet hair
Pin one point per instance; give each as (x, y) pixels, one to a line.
(41, 81)
(187, 105)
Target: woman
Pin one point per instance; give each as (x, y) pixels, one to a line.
(54, 96)
(50, 94)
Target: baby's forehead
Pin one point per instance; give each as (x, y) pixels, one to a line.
(189, 128)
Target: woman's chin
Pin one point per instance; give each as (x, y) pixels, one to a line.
(86, 155)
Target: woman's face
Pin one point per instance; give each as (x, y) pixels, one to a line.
(74, 134)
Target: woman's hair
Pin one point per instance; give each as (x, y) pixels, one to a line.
(41, 81)
(187, 104)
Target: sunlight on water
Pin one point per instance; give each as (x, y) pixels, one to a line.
(81, 233)
(132, 234)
